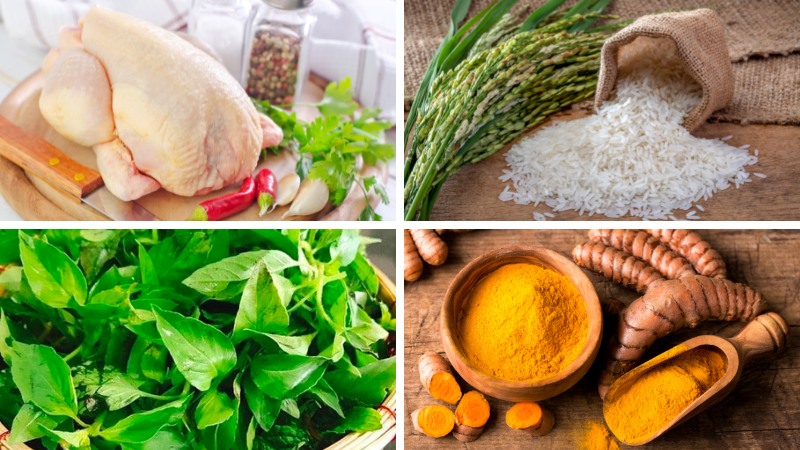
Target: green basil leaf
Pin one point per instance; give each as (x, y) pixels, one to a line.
(335, 350)
(44, 379)
(359, 419)
(202, 353)
(265, 409)
(76, 439)
(142, 426)
(223, 435)
(5, 338)
(29, 424)
(346, 248)
(223, 279)
(147, 270)
(364, 331)
(290, 407)
(120, 391)
(11, 279)
(323, 391)
(293, 345)
(166, 439)
(214, 408)
(286, 376)
(261, 308)
(9, 246)
(54, 278)
(277, 261)
(371, 387)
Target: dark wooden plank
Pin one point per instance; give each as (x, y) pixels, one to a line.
(763, 412)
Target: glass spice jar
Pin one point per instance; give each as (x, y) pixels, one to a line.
(221, 24)
(278, 50)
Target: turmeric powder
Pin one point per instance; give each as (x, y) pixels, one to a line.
(523, 322)
(662, 393)
(598, 437)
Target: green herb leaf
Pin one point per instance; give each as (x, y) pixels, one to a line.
(323, 391)
(120, 391)
(54, 278)
(142, 426)
(165, 439)
(286, 376)
(29, 424)
(359, 419)
(370, 388)
(225, 278)
(202, 353)
(293, 345)
(261, 308)
(265, 409)
(44, 379)
(214, 408)
(338, 99)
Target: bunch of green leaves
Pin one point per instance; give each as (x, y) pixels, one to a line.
(158, 339)
(333, 145)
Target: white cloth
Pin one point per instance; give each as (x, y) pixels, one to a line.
(357, 38)
(354, 38)
(37, 21)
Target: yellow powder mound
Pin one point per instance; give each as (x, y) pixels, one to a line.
(523, 323)
(661, 393)
(598, 437)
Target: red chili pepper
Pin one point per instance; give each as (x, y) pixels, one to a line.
(227, 205)
(267, 191)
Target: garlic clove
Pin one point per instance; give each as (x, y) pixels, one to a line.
(311, 197)
(287, 189)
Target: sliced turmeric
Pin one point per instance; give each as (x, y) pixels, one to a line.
(691, 246)
(437, 377)
(669, 306)
(412, 263)
(472, 413)
(430, 246)
(646, 247)
(434, 421)
(616, 265)
(530, 417)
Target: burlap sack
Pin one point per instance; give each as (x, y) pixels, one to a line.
(699, 38)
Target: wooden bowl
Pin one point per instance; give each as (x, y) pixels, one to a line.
(517, 391)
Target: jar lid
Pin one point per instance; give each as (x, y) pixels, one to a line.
(289, 4)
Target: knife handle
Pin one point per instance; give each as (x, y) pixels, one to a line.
(40, 158)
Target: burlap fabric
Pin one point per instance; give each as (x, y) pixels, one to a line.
(699, 38)
(766, 90)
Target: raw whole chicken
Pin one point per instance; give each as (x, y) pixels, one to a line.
(158, 111)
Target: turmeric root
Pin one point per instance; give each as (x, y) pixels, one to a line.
(438, 379)
(668, 306)
(412, 263)
(690, 245)
(530, 417)
(430, 246)
(472, 413)
(434, 421)
(616, 265)
(646, 247)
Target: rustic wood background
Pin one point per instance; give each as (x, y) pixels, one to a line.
(763, 412)
(771, 198)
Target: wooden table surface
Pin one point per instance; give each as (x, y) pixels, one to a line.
(762, 412)
(471, 194)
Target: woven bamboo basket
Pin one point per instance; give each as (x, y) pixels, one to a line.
(373, 440)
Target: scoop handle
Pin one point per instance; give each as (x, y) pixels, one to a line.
(764, 336)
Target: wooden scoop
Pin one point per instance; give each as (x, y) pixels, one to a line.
(762, 337)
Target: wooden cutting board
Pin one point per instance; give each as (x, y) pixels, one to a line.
(761, 413)
(34, 199)
(472, 193)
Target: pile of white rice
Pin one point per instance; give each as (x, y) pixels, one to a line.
(632, 157)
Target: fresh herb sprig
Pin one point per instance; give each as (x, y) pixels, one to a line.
(190, 339)
(333, 145)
